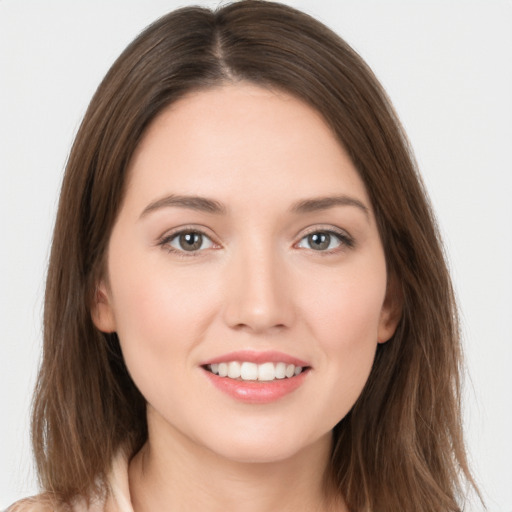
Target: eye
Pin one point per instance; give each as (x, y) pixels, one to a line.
(324, 241)
(188, 241)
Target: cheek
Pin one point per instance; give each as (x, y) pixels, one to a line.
(345, 312)
(344, 320)
(160, 318)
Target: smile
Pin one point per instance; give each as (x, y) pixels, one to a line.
(248, 371)
(256, 377)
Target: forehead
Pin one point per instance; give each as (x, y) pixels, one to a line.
(241, 139)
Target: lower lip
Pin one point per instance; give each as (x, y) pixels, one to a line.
(257, 392)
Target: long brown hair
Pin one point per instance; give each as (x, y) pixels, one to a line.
(400, 447)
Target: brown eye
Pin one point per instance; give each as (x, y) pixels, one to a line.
(323, 241)
(190, 241)
(319, 241)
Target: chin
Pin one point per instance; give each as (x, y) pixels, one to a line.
(262, 448)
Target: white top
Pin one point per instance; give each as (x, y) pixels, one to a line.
(117, 501)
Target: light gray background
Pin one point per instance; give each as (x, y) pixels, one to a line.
(447, 67)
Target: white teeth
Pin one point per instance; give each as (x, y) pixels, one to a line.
(234, 370)
(266, 371)
(252, 371)
(280, 370)
(249, 371)
(223, 369)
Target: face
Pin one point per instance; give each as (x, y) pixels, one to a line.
(246, 245)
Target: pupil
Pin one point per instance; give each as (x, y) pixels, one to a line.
(319, 240)
(191, 241)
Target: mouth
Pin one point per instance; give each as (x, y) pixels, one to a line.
(253, 372)
(256, 377)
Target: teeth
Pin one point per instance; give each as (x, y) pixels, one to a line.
(280, 370)
(252, 371)
(266, 371)
(223, 369)
(249, 371)
(234, 370)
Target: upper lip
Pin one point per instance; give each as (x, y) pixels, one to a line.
(258, 357)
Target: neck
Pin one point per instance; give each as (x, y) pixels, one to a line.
(174, 473)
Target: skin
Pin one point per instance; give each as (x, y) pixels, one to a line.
(256, 283)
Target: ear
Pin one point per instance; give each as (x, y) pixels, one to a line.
(391, 311)
(102, 313)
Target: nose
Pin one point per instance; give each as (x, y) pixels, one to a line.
(259, 295)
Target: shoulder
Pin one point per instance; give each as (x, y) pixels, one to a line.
(115, 499)
(41, 503)
(46, 503)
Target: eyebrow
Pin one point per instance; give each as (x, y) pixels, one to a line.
(324, 203)
(204, 204)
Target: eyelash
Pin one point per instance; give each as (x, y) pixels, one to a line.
(165, 241)
(345, 241)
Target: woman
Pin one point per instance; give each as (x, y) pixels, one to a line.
(247, 304)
